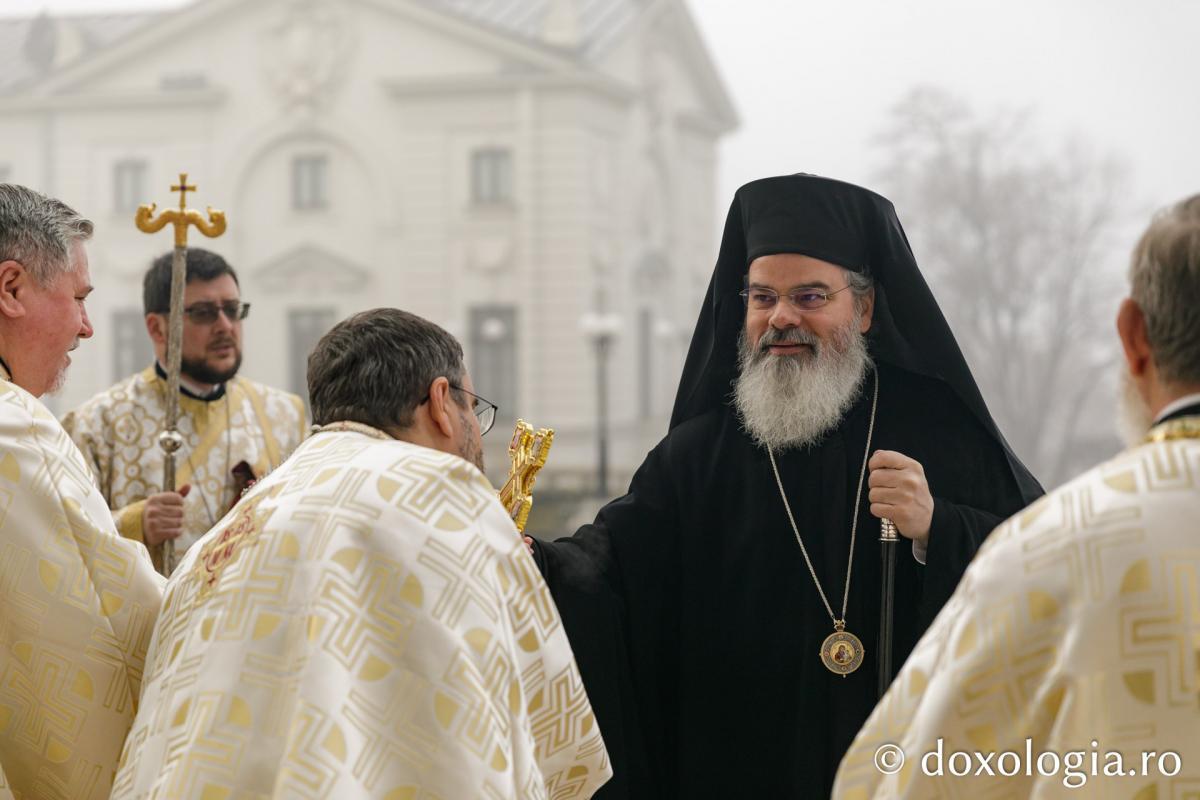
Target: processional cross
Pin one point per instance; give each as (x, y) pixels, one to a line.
(170, 440)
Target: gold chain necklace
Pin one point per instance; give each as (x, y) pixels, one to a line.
(842, 652)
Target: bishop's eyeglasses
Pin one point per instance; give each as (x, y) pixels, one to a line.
(806, 298)
(484, 410)
(205, 313)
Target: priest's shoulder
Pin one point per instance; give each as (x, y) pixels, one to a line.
(27, 424)
(924, 395)
(99, 407)
(271, 395)
(393, 456)
(1099, 494)
(697, 435)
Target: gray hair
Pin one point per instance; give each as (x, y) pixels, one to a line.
(376, 368)
(860, 286)
(39, 232)
(1165, 283)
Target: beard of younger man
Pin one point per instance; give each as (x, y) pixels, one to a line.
(199, 370)
(792, 401)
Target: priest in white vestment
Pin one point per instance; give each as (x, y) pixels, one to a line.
(366, 622)
(77, 601)
(1067, 663)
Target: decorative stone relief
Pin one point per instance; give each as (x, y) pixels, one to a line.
(306, 52)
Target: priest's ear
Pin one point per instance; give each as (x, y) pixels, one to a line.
(156, 326)
(865, 304)
(1131, 328)
(441, 402)
(13, 280)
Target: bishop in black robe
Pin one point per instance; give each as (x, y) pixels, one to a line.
(691, 611)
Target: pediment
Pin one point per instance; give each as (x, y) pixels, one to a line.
(311, 269)
(293, 46)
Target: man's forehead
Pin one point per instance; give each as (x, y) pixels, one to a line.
(223, 287)
(794, 269)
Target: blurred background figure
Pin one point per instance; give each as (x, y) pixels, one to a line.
(235, 430)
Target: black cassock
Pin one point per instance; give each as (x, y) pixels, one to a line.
(696, 623)
(694, 619)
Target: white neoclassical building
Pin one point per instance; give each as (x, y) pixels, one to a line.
(503, 167)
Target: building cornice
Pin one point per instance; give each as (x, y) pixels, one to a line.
(509, 82)
(108, 101)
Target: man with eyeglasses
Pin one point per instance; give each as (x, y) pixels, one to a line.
(725, 613)
(367, 622)
(235, 430)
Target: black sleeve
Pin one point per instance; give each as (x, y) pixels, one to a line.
(955, 535)
(614, 585)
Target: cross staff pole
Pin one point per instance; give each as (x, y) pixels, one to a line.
(170, 440)
(887, 591)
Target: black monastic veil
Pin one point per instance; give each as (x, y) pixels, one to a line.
(693, 617)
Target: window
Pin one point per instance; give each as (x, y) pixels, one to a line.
(129, 185)
(132, 351)
(491, 176)
(310, 183)
(306, 326)
(493, 355)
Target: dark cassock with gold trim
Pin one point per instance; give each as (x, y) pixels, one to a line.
(695, 616)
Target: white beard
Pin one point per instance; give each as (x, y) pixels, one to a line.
(1133, 415)
(792, 401)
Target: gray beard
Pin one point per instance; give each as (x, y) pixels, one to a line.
(792, 401)
(1133, 415)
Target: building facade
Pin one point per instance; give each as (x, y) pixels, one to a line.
(504, 168)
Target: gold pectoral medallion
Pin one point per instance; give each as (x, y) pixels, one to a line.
(842, 652)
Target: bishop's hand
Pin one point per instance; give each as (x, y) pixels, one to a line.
(899, 492)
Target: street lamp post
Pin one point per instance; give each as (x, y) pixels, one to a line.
(601, 329)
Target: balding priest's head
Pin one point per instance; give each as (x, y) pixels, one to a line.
(44, 282)
(1159, 323)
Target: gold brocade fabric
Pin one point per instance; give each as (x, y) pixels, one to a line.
(1077, 627)
(118, 429)
(366, 623)
(77, 607)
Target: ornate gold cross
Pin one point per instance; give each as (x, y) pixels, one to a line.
(527, 451)
(181, 218)
(183, 189)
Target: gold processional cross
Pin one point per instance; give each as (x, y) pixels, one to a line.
(170, 439)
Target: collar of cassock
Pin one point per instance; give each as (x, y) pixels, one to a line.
(1181, 423)
(215, 394)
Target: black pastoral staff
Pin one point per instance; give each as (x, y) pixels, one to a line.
(725, 612)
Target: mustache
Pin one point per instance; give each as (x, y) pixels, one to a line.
(224, 341)
(774, 336)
